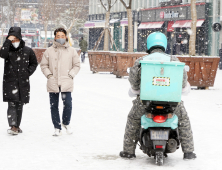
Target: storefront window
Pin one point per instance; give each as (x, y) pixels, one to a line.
(150, 3)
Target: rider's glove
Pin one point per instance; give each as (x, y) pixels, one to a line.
(133, 93)
(186, 89)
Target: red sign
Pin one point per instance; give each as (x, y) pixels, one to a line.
(169, 27)
(162, 14)
(161, 80)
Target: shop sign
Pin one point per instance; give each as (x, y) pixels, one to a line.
(169, 27)
(169, 14)
(29, 14)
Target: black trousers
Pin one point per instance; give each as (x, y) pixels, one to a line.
(15, 113)
(83, 57)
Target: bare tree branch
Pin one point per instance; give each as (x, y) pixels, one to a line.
(124, 4)
(103, 5)
(130, 4)
(127, 6)
(113, 3)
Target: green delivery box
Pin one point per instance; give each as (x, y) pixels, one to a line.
(161, 80)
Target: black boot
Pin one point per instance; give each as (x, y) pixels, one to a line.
(189, 155)
(124, 154)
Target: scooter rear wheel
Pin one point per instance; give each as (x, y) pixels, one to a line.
(159, 158)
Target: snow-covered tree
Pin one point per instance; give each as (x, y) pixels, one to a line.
(47, 8)
(8, 15)
(192, 42)
(107, 5)
(10, 8)
(128, 7)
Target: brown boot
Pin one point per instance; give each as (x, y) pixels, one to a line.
(13, 131)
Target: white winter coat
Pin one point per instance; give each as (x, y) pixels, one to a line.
(61, 61)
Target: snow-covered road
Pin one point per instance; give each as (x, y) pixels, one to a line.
(100, 108)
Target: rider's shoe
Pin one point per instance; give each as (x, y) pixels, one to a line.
(189, 155)
(124, 154)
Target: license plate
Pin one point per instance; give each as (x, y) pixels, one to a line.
(159, 134)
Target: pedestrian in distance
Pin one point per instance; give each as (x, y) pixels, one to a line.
(60, 64)
(83, 46)
(38, 44)
(168, 50)
(50, 44)
(33, 44)
(20, 64)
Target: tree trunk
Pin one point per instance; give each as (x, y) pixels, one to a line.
(106, 37)
(3, 30)
(45, 28)
(69, 40)
(130, 30)
(192, 43)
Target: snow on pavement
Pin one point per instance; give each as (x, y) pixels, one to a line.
(100, 108)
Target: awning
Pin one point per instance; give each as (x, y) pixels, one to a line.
(113, 21)
(200, 22)
(124, 22)
(89, 25)
(187, 23)
(151, 25)
(95, 24)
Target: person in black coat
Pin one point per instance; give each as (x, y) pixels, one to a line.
(168, 50)
(20, 64)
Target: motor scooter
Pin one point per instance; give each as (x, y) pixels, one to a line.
(161, 88)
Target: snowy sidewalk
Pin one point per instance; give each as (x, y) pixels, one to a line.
(100, 108)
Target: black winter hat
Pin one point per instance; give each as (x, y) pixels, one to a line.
(16, 31)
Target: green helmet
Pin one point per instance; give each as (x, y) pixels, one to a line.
(157, 39)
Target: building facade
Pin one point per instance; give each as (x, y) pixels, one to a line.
(172, 17)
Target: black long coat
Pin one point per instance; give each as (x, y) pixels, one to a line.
(20, 64)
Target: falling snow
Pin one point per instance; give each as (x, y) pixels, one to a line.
(99, 117)
(15, 91)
